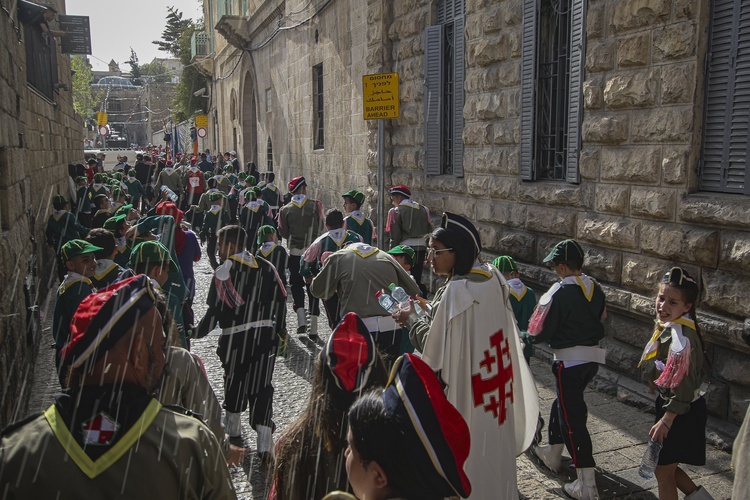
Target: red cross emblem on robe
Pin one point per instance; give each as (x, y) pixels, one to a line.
(99, 430)
(492, 387)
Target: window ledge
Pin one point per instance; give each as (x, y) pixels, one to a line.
(39, 94)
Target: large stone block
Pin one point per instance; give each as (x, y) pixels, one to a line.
(504, 188)
(603, 264)
(592, 93)
(632, 89)
(633, 164)
(633, 14)
(680, 243)
(512, 12)
(642, 274)
(717, 399)
(588, 163)
(506, 132)
(678, 83)
(672, 124)
(555, 194)
(616, 296)
(605, 128)
(490, 235)
(495, 49)
(517, 243)
(674, 164)
(550, 221)
(491, 20)
(633, 50)
(652, 203)
(644, 305)
(621, 358)
(504, 213)
(726, 292)
(595, 23)
(734, 367)
(600, 56)
(477, 185)
(631, 331)
(608, 231)
(612, 199)
(735, 251)
(676, 41)
(716, 211)
(487, 106)
(477, 134)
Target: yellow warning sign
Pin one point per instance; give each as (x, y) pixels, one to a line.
(201, 121)
(101, 119)
(380, 96)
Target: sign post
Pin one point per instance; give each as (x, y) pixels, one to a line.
(380, 94)
(77, 39)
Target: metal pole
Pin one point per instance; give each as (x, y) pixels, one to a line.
(381, 186)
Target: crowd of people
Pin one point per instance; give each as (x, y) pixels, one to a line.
(459, 406)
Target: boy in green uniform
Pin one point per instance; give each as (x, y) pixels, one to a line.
(119, 226)
(272, 194)
(252, 216)
(107, 270)
(569, 317)
(214, 219)
(83, 202)
(408, 223)
(270, 250)
(80, 262)
(62, 226)
(355, 220)
(522, 300)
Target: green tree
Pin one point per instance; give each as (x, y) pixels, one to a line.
(135, 69)
(176, 40)
(159, 71)
(85, 99)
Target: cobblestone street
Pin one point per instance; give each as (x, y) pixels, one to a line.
(619, 431)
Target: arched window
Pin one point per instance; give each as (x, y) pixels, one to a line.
(269, 155)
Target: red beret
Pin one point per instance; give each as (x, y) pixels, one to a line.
(296, 183)
(400, 189)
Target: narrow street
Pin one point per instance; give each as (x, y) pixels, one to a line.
(619, 432)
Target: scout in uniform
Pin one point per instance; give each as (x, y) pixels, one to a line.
(355, 220)
(522, 299)
(119, 226)
(569, 317)
(332, 240)
(246, 299)
(80, 262)
(107, 270)
(108, 437)
(300, 222)
(62, 226)
(83, 202)
(272, 194)
(408, 223)
(195, 183)
(270, 249)
(171, 178)
(356, 273)
(252, 216)
(96, 188)
(214, 219)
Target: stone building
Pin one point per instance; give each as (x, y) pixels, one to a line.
(621, 123)
(39, 135)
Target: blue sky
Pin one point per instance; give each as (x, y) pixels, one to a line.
(118, 25)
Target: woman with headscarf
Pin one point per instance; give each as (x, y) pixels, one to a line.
(473, 346)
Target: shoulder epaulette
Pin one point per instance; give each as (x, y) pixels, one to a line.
(20, 423)
(184, 411)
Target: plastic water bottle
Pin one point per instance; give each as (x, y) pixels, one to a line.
(402, 297)
(650, 459)
(387, 302)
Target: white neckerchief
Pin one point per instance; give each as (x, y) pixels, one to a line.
(586, 284)
(517, 285)
(358, 216)
(337, 235)
(58, 213)
(193, 169)
(215, 209)
(97, 185)
(169, 170)
(409, 203)
(299, 198)
(267, 247)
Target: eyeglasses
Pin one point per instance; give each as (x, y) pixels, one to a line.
(435, 251)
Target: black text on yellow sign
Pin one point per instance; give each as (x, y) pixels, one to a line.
(380, 96)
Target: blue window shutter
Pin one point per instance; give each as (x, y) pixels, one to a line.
(575, 108)
(458, 96)
(433, 92)
(724, 158)
(528, 89)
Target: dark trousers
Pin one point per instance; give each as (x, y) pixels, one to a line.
(299, 287)
(211, 250)
(332, 310)
(418, 267)
(249, 384)
(567, 419)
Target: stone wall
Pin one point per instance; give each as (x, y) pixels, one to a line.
(38, 138)
(636, 210)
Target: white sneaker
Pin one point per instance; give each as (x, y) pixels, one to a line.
(313, 333)
(699, 494)
(265, 443)
(583, 488)
(301, 320)
(550, 455)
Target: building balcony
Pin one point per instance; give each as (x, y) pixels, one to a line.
(200, 51)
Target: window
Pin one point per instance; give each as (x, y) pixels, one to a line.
(726, 123)
(269, 155)
(444, 95)
(551, 78)
(114, 105)
(41, 55)
(318, 122)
